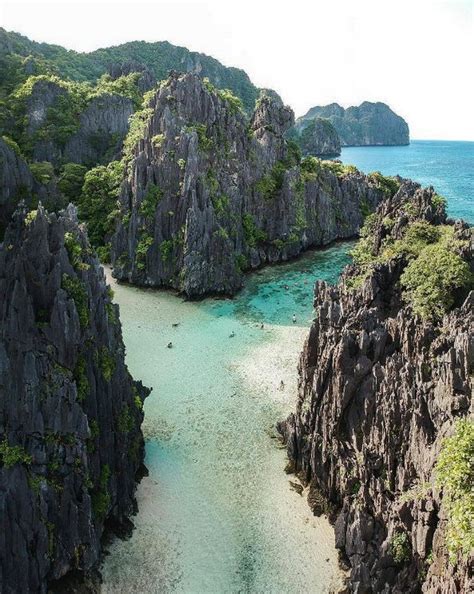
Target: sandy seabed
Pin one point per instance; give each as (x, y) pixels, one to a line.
(217, 512)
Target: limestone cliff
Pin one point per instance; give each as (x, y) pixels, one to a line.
(208, 195)
(379, 390)
(317, 137)
(70, 413)
(17, 183)
(365, 125)
(61, 124)
(102, 128)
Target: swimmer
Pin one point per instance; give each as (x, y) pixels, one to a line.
(294, 318)
(170, 345)
(232, 334)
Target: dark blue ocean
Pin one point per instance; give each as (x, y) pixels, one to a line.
(448, 166)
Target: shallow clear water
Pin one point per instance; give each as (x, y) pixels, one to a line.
(448, 166)
(217, 513)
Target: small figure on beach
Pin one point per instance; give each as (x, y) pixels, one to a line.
(294, 318)
(170, 345)
(232, 334)
(282, 385)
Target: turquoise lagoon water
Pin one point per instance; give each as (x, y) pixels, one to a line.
(448, 166)
(217, 513)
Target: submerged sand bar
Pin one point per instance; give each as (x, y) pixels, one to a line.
(217, 512)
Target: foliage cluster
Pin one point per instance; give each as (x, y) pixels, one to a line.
(98, 201)
(389, 185)
(166, 247)
(100, 495)
(125, 421)
(80, 376)
(253, 235)
(143, 245)
(106, 363)
(455, 475)
(434, 271)
(269, 185)
(71, 180)
(77, 292)
(42, 171)
(152, 197)
(11, 455)
(400, 547)
(205, 142)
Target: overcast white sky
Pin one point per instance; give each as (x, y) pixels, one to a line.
(417, 55)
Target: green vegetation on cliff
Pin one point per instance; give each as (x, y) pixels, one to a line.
(435, 272)
(159, 58)
(98, 204)
(455, 475)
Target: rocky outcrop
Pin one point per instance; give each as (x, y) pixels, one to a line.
(146, 81)
(45, 94)
(103, 126)
(366, 125)
(379, 390)
(208, 195)
(62, 127)
(17, 183)
(70, 413)
(317, 137)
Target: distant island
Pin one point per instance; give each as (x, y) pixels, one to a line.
(323, 130)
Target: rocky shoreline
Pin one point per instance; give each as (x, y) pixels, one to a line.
(380, 389)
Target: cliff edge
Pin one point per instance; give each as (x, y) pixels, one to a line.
(383, 431)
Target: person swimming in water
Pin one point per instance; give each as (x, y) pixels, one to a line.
(170, 345)
(294, 318)
(232, 334)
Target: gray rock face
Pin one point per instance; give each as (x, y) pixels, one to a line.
(207, 195)
(44, 95)
(379, 389)
(17, 183)
(366, 125)
(70, 413)
(147, 79)
(103, 127)
(317, 137)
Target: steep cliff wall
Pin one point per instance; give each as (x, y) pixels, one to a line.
(365, 125)
(18, 183)
(379, 390)
(208, 195)
(103, 126)
(316, 137)
(61, 122)
(70, 413)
